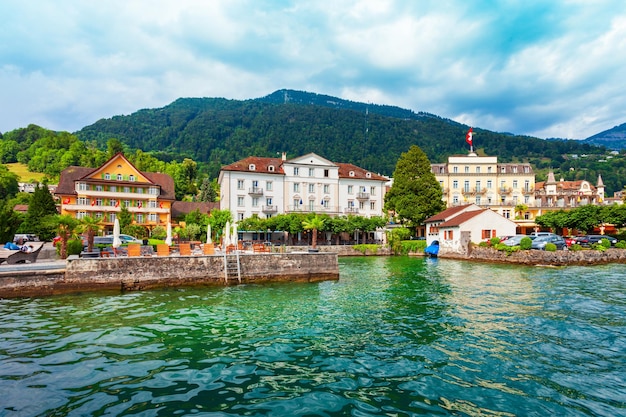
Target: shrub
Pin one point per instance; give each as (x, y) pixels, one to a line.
(372, 248)
(621, 244)
(599, 247)
(526, 243)
(494, 241)
(605, 242)
(550, 247)
(74, 247)
(483, 244)
(505, 248)
(575, 247)
(159, 232)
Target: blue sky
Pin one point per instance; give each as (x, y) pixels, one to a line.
(550, 68)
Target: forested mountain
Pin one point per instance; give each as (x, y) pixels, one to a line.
(614, 138)
(218, 131)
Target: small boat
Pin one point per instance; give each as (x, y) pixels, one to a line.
(432, 250)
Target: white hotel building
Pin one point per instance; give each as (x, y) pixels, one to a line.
(309, 184)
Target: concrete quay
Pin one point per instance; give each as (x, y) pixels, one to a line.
(50, 277)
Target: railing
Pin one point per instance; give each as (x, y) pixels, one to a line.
(269, 209)
(255, 191)
(351, 210)
(362, 196)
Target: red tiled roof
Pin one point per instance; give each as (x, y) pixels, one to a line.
(359, 173)
(447, 213)
(260, 165)
(462, 218)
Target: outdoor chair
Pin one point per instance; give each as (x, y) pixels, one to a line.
(208, 249)
(19, 257)
(184, 249)
(134, 249)
(163, 249)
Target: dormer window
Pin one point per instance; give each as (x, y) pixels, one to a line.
(251, 167)
(107, 176)
(119, 177)
(368, 175)
(131, 177)
(270, 168)
(351, 173)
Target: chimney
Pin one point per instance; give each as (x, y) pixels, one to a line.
(284, 157)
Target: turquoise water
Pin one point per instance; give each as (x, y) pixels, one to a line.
(392, 337)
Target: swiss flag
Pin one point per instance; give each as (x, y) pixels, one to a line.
(468, 137)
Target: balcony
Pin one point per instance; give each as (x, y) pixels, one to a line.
(255, 191)
(351, 210)
(363, 196)
(269, 209)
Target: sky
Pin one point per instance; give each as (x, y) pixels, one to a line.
(545, 68)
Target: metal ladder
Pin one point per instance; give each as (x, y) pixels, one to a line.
(232, 266)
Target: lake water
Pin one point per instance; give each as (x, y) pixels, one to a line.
(395, 336)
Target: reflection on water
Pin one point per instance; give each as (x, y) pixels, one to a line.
(394, 336)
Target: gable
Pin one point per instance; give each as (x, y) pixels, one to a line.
(115, 167)
(311, 159)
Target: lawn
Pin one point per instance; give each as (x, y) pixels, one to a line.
(25, 175)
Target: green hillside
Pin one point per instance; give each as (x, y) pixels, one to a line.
(219, 131)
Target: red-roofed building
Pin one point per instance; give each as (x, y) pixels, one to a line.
(456, 227)
(568, 194)
(309, 183)
(103, 191)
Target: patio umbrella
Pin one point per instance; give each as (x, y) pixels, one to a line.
(168, 239)
(227, 234)
(208, 234)
(235, 236)
(116, 234)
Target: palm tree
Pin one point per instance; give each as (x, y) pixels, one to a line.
(314, 223)
(66, 228)
(90, 225)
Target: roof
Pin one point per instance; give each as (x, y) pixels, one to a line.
(565, 185)
(463, 217)
(358, 173)
(447, 213)
(73, 173)
(260, 165)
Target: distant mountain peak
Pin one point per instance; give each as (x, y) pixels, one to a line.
(614, 138)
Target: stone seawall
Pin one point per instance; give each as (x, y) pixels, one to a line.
(129, 273)
(538, 257)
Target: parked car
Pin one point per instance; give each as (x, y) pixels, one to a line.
(25, 237)
(127, 239)
(587, 240)
(569, 240)
(515, 240)
(535, 234)
(540, 242)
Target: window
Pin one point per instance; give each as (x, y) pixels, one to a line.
(99, 188)
(455, 199)
(326, 173)
(255, 183)
(98, 201)
(139, 190)
(361, 205)
(269, 185)
(152, 217)
(268, 201)
(311, 172)
(82, 201)
(467, 170)
(240, 184)
(489, 185)
(372, 205)
(527, 186)
(455, 170)
(153, 190)
(296, 187)
(240, 202)
(326, 188)
(506, 214)
(252, 167)
(488, 234)
(526, 169)
(138, 218)
(107, 176)
(127, 189)
(503, 184)
(373, 190)
(515, 170)
(514, 183)
(98, 215)
(82, 186)
(131, 177)
(478, 170)
(239, 216)
(466, 186)
(119, 177)
(296, 203)
(112, 202)
(350, 189)
(325, 203)
(152, 204)
(478, 200)
(455, 184)
(270, 168)
(489, 170)
(113, 188)
(81, 215)
(478, 186)
(448, 235)
(311, 205)
(255, 202)
(296, 171)
(311, 188)
(127, 203)
(351, 174)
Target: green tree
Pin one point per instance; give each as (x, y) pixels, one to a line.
(66, 229)
(315, 224)
(125, 217)
(90, 225)
(38, 217)
(415, 194)
(207, 191)
(114, 146)
(8, 183)
(10, 221)
(218, 219)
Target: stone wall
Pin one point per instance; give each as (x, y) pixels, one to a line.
(539, 257)
(130, 273)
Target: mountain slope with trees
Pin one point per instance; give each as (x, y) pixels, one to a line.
(217, 131)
